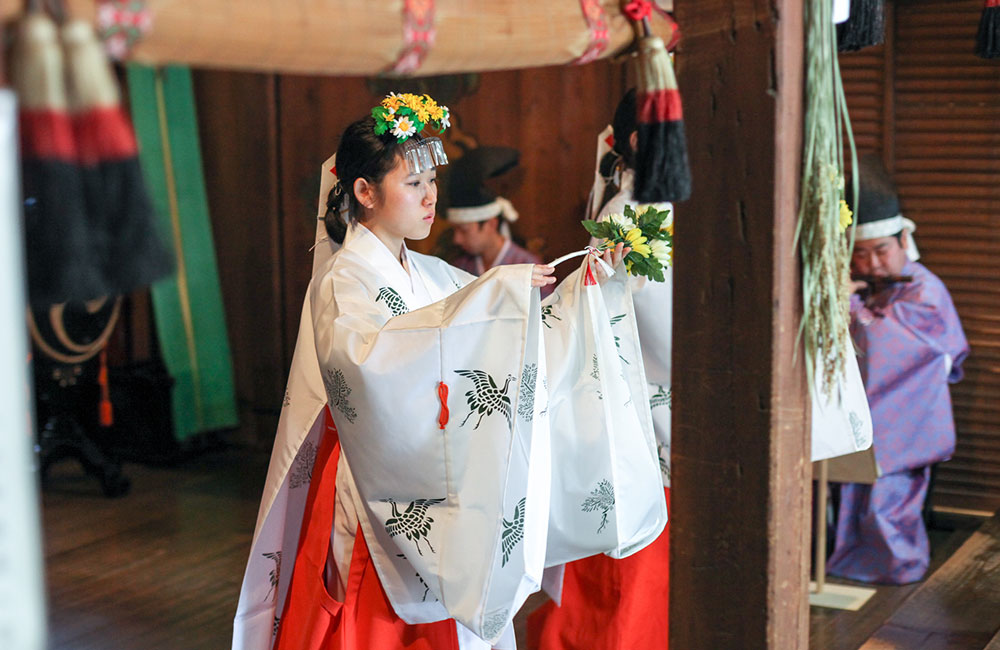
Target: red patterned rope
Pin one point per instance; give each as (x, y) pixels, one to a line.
(419, 34)
(597, 22)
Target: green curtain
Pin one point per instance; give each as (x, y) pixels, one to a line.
(188, 309)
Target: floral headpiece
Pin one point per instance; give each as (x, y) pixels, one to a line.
(405, 116)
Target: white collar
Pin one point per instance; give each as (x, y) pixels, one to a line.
(364, 242)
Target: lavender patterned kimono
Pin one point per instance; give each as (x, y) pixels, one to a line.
(511, 253)
(911, 347)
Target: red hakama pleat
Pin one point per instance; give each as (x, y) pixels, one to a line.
(610, 604)
(315, 620)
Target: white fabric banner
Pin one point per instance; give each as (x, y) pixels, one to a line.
(841, 422)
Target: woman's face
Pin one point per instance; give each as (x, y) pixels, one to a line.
(404, 203)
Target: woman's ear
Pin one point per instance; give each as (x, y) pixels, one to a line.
(364, 192)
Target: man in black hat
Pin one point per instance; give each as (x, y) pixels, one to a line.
(480, 219)
(910, 347)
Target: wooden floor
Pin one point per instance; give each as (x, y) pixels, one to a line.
(161, 567)
(832, 629)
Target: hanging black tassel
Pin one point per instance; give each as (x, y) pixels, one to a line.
(988, 38)
(126, 244)
(661, 170)
(864, 28)
(57, 230)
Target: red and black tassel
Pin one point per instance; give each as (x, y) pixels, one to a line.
(865, 26)
(988, 37)
(57, 232)
(125, 240)
(662, 172)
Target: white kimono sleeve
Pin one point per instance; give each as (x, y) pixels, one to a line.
(607, 491)
(448, 448)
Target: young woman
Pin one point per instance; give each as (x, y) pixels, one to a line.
(395, 516)
(609, 604)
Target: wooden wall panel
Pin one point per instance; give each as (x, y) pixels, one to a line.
(236, 115)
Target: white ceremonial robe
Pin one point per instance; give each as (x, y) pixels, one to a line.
(455, 518)
(654, 318)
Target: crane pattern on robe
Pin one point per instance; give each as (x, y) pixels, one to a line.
(526, 403)
(513, 531)
(392, 300)
(486, 398)
(414, 522)
(601, 498)
(275, 573)
(419, 577)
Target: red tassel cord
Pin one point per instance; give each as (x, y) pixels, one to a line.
(106, 413)
(443, 396)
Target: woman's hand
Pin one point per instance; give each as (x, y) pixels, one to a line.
(613, 257)
(541, 275)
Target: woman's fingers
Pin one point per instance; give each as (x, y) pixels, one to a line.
(541, 275)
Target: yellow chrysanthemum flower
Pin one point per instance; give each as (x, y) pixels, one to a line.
(392, 103)
(635, 240)
(846, 216)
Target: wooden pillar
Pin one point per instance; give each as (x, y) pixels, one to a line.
(740, 516)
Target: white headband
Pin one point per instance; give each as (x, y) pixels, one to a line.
(887, 228)
(479, 213)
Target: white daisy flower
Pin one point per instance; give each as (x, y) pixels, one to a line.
(661, 251)
(446, 120)
(403, 127)
(626, 223)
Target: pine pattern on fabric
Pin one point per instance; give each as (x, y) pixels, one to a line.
(513, 531)
(618, 342)
(494, 623)
(660, 398)
(663, 454)
(301, 472)
(601, 498)
(547, 314)
(393, 301)
(526, 406)
(414, 522)
(857, 428)
(485, 397)
(337, 392)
